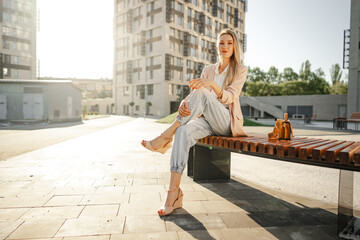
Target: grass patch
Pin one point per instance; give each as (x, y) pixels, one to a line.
(171, 118)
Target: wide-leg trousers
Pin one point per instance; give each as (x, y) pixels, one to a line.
(215, 121)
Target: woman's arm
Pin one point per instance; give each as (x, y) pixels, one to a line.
(233, 91)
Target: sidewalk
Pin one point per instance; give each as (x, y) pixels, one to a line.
(104, 185)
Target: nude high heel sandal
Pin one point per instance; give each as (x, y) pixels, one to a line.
(163, 149)
(178, 203)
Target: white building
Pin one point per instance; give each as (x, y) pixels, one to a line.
(162, 44)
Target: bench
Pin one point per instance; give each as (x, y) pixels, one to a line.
(210, 159)
(354, 118)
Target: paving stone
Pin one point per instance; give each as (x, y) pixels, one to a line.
(201, 234)
(145, 181)
(286, 218)
(148, 236)
(12, 214)
(139, 209)
(268, 204)
(105, 199)
(193, 222)
(25, 202)
(64, 201)
(306, 232)
(241, 220)
(91, 226)
(147, 196)
(254, 233)
(52, 213)
(144, 188)
(144, 224)
(7, 227)
(72, 191)
(100, 211)
(192, 207)
(194, 196)
(37, 229)
(221, 206)
(103, 237)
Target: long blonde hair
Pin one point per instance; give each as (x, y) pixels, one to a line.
(236, 60)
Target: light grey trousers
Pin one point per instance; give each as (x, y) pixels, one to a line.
(216, 121)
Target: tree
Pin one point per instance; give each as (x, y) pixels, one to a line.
(273, 75)
(294, 87)
(289, 75)
(256, 75)
(305, 70)
(335, 74)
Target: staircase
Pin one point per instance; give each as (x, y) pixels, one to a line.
(262, 106)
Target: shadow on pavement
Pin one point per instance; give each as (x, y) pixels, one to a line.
(280, 218)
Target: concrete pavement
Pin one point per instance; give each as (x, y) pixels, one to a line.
(104, 185)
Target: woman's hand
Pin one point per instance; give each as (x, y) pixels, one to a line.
(200, 82)
(184, 109)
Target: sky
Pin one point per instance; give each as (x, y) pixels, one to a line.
(76, 36)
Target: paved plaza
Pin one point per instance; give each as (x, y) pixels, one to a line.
(101, 184)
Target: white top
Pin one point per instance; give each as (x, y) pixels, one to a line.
(219, 78)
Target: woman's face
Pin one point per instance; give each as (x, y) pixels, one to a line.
(226, 46)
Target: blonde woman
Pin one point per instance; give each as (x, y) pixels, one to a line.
(216, 100)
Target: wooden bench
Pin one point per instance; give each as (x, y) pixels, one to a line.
(210, 159)
(354, 118)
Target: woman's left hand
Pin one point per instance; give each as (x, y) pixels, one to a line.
(200, 82)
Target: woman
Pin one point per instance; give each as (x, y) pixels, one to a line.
(216, 100)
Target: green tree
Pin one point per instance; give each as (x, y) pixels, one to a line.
(317, 85)
(262, 88)
(335, 74)
(305, 70)
(273, 75)
(289, 75)
(293, 87)
(256, 75)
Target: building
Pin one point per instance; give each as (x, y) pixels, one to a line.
(96, 94)
(353, 101)
(321, 107)
(162, 44)
(41, 100)
(18, 23)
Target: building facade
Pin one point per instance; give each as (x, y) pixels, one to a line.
(162, 44)
(39, 100)
(353, 102)
(18, 24)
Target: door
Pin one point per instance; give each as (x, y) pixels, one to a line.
(3, 107)
(70, 108)
(33, 106)
(38, 106)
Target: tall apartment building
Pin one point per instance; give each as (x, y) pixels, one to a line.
(162, 44)
(18, 39)
(353, 103)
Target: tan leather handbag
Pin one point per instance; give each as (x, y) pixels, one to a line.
(282, 130)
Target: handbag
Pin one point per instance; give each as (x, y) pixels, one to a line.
(282, 130)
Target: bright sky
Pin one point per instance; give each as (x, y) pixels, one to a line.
(76, 36)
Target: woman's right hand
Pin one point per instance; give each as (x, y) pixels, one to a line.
(184, 109)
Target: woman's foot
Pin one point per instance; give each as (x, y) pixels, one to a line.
(159, 144)
(174, 200)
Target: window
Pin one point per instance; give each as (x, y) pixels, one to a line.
(179, 62)
(179, 20)
(202, 43)
(150, 89)
(188, 64)
(189, 24)
(195, 2)
(16, 73)
(151, 74)
(172, 60)
(7, 58)
(6, 72)
(15, 59)
(193, 52)
(137, 108)
(181, 75)
(189, 12)
(150, 47)
(180, 7)
(193, 40)
(126, 91)
(172, 32)
(171, 89)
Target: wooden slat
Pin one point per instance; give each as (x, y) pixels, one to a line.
(332, 154)
(254, 145)
(293, 151)
(246, 143)
(305, 151)
(272, 147)
(319, 152)
(346, 155)
(239, 141)
(357, 158)
(282, 149)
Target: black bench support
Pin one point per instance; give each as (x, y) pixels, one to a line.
(207, 163)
